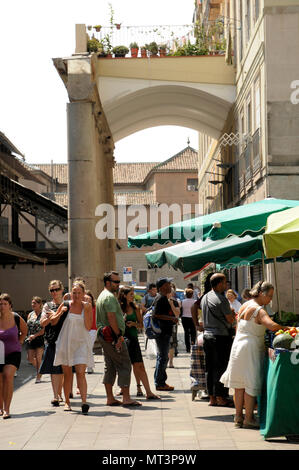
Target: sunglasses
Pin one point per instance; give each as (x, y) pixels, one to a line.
(115, 282)
(55, 290)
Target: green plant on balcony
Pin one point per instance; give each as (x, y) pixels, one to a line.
(98, 28)
(162, 50)
(153, 48)
(134, 49)
(107, 44)
(120, 51)
(189, 49)
(94, 45)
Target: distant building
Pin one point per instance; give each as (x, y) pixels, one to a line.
(174, 181)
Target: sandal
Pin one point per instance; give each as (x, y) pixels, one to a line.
(85, 408)
(139, 392)
(226, 403)
(55, 402)
(67, 407)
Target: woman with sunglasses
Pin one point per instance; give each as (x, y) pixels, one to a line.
(74, 344)
(35, 336)
(51, 334)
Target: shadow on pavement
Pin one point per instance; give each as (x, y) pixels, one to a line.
(227, 418)
(33, 414)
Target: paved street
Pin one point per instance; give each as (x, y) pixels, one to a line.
(175, 423)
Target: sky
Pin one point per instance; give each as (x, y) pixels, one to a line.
(32, 96)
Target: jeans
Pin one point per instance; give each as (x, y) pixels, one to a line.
(160, 375)
(190, 331)
(217, 351)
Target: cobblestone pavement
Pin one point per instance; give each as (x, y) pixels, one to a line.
(174, 423)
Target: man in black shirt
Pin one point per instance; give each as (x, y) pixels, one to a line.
(164, 313)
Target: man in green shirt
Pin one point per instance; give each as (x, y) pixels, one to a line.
(111, 328)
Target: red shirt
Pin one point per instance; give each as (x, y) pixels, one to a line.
(94, 324)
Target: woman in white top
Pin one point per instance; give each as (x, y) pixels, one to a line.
(74, 344)
(232, 297)
(187, 320)
(245, 368)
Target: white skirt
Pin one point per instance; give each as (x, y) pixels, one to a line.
(74, 344)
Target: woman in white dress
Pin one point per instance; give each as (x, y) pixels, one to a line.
(74, 344)
(245, 368)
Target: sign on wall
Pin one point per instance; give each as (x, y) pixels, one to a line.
(127, 274)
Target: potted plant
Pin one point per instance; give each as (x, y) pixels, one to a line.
(89, 27)
(162, 50)
(153, 48)
(98, 28)
(93, 45)
(134, 49)
(120, 51)
(143, 52)
(118, 25)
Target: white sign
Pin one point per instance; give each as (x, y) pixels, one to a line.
(127, 274)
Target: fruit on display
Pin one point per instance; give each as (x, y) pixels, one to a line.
(283, 340)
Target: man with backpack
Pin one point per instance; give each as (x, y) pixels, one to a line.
(163, 312)
(149, 297)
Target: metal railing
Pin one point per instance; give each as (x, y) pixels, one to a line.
(161, 34)
(173, 36)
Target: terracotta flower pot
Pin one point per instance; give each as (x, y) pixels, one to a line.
(134, 52)
(143, 53)
(162, 52)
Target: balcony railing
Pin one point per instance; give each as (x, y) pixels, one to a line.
(250, 160)
(173, 36)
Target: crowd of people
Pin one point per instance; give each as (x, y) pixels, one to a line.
(60, 335)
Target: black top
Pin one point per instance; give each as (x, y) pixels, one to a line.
(162, 307)
(52, 331)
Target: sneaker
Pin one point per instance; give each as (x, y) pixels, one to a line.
(165, 388)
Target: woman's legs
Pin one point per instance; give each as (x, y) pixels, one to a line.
(38, 356)
(81, 381)
(185, 324)
(57, 381)
(31, 357)
(249, 407)
(67, 383)
(140, 373)
(8, 378)
(171, 356)
(239, 402)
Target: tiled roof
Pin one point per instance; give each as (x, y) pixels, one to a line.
(128, 198)
(131, 172)
(187, 159)
(134, 198)
(59, 198)
(57, 170)
(136, 173)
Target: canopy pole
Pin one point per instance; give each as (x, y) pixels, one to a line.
(276, 287)
(263, 266)
(293, 285)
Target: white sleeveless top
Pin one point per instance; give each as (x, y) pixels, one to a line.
(245, 367)
(74, 344)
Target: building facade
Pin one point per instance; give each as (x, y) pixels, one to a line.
(261, 157)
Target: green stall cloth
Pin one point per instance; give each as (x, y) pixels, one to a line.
(278, 404)
(252, 260)
(189, 256)
(248, 219)
(281, 237)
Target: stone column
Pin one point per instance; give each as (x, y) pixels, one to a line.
(82, 249)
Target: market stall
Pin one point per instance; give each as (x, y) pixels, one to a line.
(278, 405)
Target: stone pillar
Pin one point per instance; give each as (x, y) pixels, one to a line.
(82, 250)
